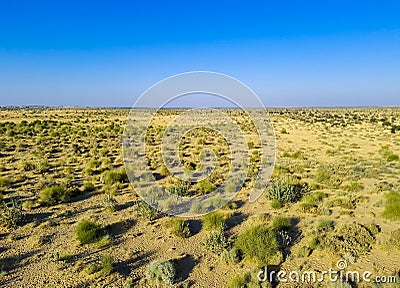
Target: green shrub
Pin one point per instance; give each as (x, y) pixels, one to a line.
(205, 187)
(281, 223)
(88, 232)
(53, 195)
(88, 187)
(214, 221)
(276, 204)
(113, 177)
(392, 157)
(107, 264)
(180, 228)
(216, 241)
(4, 182)
(285, 191)
(161, 271)
(257, 242)
(392, 206)
(11, 214)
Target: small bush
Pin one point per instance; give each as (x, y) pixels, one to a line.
(257, 242)
(53, 195)
(144, 210)
(4, 182)
(180, 228)
(392, 206)
(11, 214)
(214, 221)
(276, 204)
(180, 189)
(88, 187)
(110, 204)
(161, 271)
(88, 232)
(107, 264)
(392, 157)
(205, 187)
(280, 223)
(216, 241)
(113, 177)
(230, 256)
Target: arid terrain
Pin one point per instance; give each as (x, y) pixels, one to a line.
(70, 218)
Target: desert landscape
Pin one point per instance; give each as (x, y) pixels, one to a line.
(69, 217)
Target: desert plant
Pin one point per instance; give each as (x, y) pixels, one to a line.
(107, 264)
(214, 221)
(113, 177)
(88, 187)
(230, 256)
(11, 213)
(280, 223)
(180, 228)
(110, 204)
(161, 271)
(216, 241)
(144, 210)
(285, 191)
(4, 182)
(53, 195)
(257, 242)
(88, 232)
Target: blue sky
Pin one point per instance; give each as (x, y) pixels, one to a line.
(291, 53)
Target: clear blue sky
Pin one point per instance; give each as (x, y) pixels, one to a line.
(291, 53)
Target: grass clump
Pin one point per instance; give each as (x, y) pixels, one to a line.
(88, 232)
(257, 242)
(180, 228)
(4, 182)
(214, 221)
(113, 177)
(161, 271)
(105, 265)
(392, 206)
(53, 195)
(88, 187)
(280, 223)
